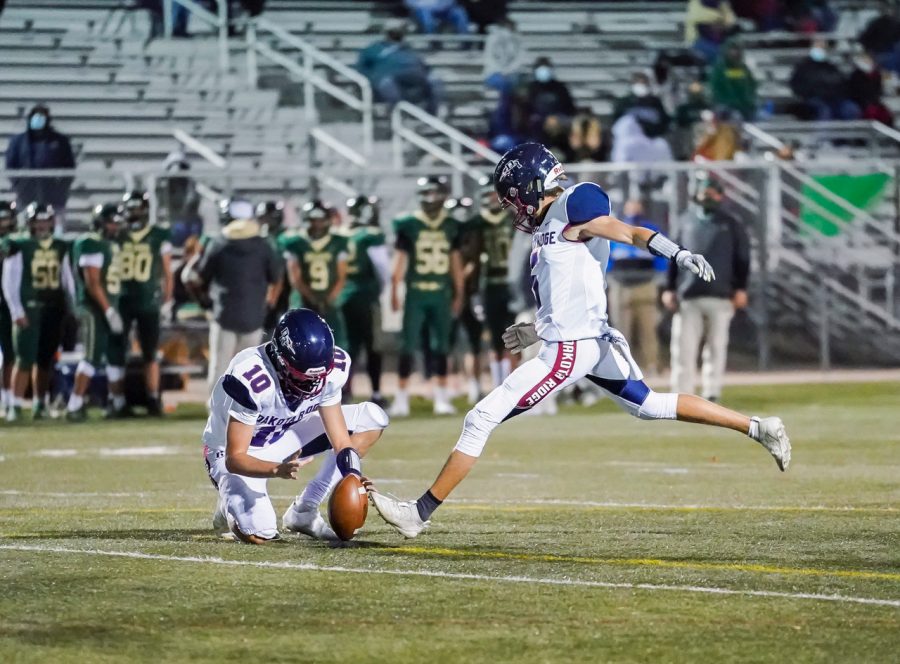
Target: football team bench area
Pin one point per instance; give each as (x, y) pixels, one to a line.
(584, 537)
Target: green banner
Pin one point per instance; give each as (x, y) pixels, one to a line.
(860, 191)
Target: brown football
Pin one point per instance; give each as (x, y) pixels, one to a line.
(348, 507)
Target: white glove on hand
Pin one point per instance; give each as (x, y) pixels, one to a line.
(695, 263)
(115, 321)
(520, 336)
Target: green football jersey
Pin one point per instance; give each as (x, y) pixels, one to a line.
(318, 258)
(362, 278)
(496, 231)
(42, 262)
(428, 243)
(90, 244)
(141, 264)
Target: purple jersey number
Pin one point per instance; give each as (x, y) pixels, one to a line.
(340, 359)
(259, 382)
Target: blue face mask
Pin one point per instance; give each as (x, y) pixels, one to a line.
(37, 121)
(818, 54)
(543, 74)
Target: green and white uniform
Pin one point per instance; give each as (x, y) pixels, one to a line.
(429, 286)
(318, 260)
(92, 250)
(36, 278)
(359, 301)
(141, 272)
(495, 233)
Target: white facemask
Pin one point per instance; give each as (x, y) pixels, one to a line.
(640, 89)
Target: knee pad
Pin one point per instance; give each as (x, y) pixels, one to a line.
(371, 417)
(658, 406)
(115, 374)
(85, 368)
(476, 430)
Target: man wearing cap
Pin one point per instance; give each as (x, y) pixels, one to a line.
(704, 309)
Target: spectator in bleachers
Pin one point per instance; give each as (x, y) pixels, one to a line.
(865, 89)
(504, 57)
(719, 140)
(396, 71)
(646, 107)
(586, 138)
(430, 15)
(821, 88)
(707, 25)
(631, 144)
(732, 84)
(547, 99)
(809, 16)
(634, 276)
(485, 13)
(687, 116)
(881, 37)
(40, 147)
(765, 14)
(703, 310)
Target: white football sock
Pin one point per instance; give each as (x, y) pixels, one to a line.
(754, 428)
(75, 402)
(323, 482)
(5, 399)
(118, 401)
(505, 369)
(441, 395)
(495, 373)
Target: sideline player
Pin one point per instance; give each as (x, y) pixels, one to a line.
(275, 407)
(571, 229)
(96, 259)
(7, 357)
(368, 271)
(427, 258)
(146, 272)
(37, 282)
(317, 266)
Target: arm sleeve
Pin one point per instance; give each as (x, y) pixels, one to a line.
(586, 201)
(12, 284)
(165, 248)
(91, 260)
(403, 243)
(381, 261)
(741, 258)
(67, 278)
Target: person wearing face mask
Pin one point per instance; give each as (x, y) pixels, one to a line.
(644, 106)
(40, 146)
(634, 275)
(547, 98)
(705, 309)
(865, 88)
(732, 84)
(821, 88)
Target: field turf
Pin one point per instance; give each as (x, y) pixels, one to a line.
(587, 537)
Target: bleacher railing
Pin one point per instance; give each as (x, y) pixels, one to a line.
(219, 21)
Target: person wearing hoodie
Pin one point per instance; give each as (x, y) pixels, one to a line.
(821, 88)
(240, 271)
(731, 82)
(39, 147)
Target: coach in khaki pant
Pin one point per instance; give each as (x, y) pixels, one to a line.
(703, 311)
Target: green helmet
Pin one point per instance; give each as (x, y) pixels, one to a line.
(39, 218)
(103, 218)
(135, 209)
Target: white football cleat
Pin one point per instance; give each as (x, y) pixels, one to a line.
(306, 519)
(444, 408)
(774, 438)
(402, 515)
(400, 407)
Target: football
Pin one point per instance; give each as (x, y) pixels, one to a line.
(348, 507)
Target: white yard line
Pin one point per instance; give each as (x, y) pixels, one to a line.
(530, 580)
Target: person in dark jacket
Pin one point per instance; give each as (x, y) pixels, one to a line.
(704, 309)
(881, 38)
(241, 270)
(545, 98)
(645, 106)
(40, 146)
(821, 88)
(865, 89)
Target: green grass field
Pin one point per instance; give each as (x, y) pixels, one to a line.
(588, 537)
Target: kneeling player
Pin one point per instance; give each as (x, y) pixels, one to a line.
(275, 407)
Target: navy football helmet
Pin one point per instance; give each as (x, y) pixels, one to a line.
(522, 176)
(302, 350)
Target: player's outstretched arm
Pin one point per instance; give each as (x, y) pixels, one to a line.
(237, 460)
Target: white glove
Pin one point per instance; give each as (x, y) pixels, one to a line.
(695, 263)
(520, 336)
(116, 326)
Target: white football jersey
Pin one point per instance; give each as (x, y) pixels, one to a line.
(569, 278)
(257, 399)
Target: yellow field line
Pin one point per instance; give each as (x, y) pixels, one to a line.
(640, 562)
(487, 507)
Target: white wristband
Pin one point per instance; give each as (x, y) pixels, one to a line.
(660, 245)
